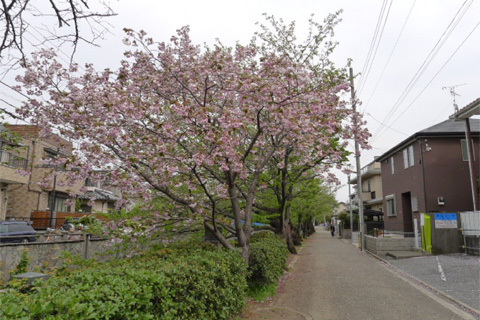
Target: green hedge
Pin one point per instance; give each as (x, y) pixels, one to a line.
(268, 257)
(197, 284)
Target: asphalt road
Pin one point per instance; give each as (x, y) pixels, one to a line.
(457, 275)
(331, 279)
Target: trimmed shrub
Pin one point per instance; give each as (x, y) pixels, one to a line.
(197, 285)
(268, 257)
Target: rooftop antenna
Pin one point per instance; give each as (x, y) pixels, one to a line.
(452, 92)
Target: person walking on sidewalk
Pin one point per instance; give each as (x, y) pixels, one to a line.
(332, 230)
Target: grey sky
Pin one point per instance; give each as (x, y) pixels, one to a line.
(380, 86)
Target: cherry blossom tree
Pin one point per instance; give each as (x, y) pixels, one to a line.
(199, 125)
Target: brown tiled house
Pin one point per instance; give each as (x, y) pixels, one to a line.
(428, 172)
(20, 195)
(28, 197)
(10, 163)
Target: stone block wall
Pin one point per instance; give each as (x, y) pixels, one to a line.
(45, 256)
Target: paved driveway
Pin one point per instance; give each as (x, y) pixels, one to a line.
(457, 275)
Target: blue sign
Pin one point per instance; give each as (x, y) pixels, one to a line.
(446, 221)
(445, 216)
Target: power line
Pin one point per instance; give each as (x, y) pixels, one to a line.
(383, 124)
(426, 62)
(10, 96)
(13, 89)
(445, 35)
(439, 114)
(438, 72)
(390, 56)
(40, 43)
(372, 44)
(376, 48)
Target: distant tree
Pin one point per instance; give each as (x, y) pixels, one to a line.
(294, 198)
(312, 202)
(197, 126)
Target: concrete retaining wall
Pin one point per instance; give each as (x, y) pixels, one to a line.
(45, 256)
(380, 246)
(346, 234)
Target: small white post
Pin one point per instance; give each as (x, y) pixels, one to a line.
(415, 230)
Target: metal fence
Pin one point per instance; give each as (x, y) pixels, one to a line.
(471, 232)
(51, 236)
(470, 223)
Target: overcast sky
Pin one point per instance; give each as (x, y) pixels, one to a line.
(401, 74)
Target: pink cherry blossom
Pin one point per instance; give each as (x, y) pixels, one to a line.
(198, 126)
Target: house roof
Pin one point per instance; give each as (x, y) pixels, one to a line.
(451, 127)
(7, 136)
(99, 195)
(472, 109)
(447, 128)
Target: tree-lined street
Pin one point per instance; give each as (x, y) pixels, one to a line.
(332, 279)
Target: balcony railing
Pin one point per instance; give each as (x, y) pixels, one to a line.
(11, 160)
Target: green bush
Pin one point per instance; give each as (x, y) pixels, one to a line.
(196, 285)
(268, 257)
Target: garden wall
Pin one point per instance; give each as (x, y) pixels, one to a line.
(380, 246)
(46, 255)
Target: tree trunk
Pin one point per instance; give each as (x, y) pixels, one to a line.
(297, 237)
(287, 234)
(310, 228)
(219, 236)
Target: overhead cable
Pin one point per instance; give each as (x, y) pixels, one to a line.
(445, 35)
(372, 44)
(390, 56)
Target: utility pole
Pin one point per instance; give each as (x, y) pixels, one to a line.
(452, 92)
(357, 161)
(350, 206)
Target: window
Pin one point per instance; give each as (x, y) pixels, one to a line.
(464, 145)
(408, 157)
(86, 208)
(391, 211)
(392, 163)
(411, 157)
(49, 154)
(61, 205)
(90, 183)
(60, 202)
